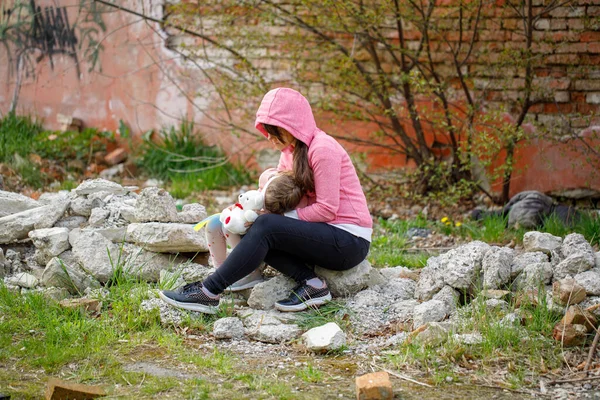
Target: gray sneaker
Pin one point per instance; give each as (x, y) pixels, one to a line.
(247, 282)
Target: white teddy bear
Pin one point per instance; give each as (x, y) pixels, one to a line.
(245, 210)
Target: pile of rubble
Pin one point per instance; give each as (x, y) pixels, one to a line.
(67, 243)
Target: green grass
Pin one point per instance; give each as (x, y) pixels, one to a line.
(333, 311)
(389, 244)
(180, 157)
(310, 374)
(17, 136)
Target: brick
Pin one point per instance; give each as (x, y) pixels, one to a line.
(587, 109)
(552, 108)
(593, 11)
(562, 59)
(593, 98)
(572, 48)
(374, 386)
(576, 24)
(542, 24)
(562, 97)
(58, 389)
(558, 24)
(587, 85)
(593, 48)
(590, 36)
(116, 156)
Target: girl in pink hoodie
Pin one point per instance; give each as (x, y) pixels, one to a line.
(333, 230)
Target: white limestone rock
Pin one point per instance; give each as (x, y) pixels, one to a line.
(349, 282)
(228, 328)
(496, 267)
(155, 205)
(324, 338)
(95, 253)
(166, 238)
(99, 185)
(13, 203)
(538, 241)
(264, 295)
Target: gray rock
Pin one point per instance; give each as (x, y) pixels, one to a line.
(535, 275)
(522, 260)
(324, 338)
(597, 256)
(228, 328)
(349, 282)
(496, 267)
(253, 319)
(23, 280)
(50, 242)
(116, 234)
(401, 311)
(192, 213)
(71, 222)
(396, 289)
(13, 203)
(55, 212)
(156, 205)
(193, 272)
(496, 304)
(166, 238)
(430, 311)
(264, 295)
(398, 272)
(591, 301)
(538, 241)
(511, 319)
(148, 265)
(435, 334)
(590, 280)
(575, 243)
(17, 226)
(128, 213)
(449, 297)
(50, 198)
(98, 216)
(169, 316)
(276, 333)
(463, 265)
(468, 338)
(573, 265)
(4, 265)
(431, 279)
(99, 185)
(65, 272)
(81, 206)
(92, 250)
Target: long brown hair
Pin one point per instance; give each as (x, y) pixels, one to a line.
(303, 175)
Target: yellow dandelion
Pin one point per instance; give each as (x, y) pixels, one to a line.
(458, 224)
(445, 219)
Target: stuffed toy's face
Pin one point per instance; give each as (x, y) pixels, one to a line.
(252, 200)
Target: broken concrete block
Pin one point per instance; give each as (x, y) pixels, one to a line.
(567, 291)
(325, 338)
(570, 335)
(61, 390)
(374, 386)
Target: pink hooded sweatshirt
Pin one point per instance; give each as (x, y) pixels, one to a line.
(339, 198)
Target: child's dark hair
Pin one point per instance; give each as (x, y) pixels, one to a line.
(282, 194)
(302, 172)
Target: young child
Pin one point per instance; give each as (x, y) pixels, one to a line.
(281, 194)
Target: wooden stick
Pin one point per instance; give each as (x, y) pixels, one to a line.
(588, 362)
(587, 378)
(401, 376)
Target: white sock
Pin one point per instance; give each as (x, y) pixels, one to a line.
(209, 293)
(316, 283)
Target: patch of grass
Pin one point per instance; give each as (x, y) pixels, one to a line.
(390, 240)
(491, 229)
(180, 157)
(72, 145)
(589, 226)
(333, 311)
(310, 374)
(17, 136)
(554, 225)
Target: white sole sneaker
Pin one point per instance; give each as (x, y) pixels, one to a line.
(247, 282)
(303, 306)
(189, 306)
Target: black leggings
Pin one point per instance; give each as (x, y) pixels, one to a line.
(292, 247)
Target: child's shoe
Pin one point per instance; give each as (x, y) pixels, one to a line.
(304, 296)
(191, 297)
(247, 282)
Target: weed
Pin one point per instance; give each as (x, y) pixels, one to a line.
(388, 247)
(589, 226)
(17, 136)
(554, 225)
(310, 374)
(333, 311)
(491, 229)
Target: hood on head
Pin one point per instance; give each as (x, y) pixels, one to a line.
(287, 109)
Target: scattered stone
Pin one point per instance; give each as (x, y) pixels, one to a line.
(575, 243)
(99, 185)
(192, 213)
(449, 297)
(567, 292)
(17, 226)
(572, 265)
(495, 304)
(496, 266)
(399, 272)
(576, 315)
(65, 272)
(193, 272)
(468, 338)
(169, 316)
(95, 253)
(49, 242)
(264, 295)
(98, 216)
(431, 279)
(54, 293)
(430, 311)
(116, 156)
(156, 205)
(570, 335)
(374, 386)
(13, 203)
(535, 274)
(538, 241)
(324, 338)
(62, 390)
(71, 222)
(590, 280)
(417, 232)
(463, 264)
(166, 238)
(147, 265)
(228, 328)
(349, 282)
(523, 260)
(281, 333)
(23, 280)
(435, 334)
(91, 305)
(81, 206)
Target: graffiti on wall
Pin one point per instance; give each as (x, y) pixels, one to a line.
(32, 33)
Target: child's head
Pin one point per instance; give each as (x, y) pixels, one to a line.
(282, 194)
